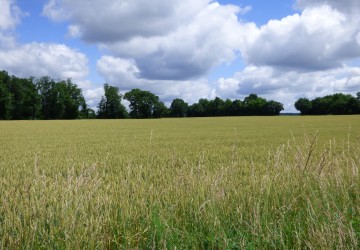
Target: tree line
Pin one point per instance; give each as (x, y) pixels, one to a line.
(251, 105)
(45, 98)
(336, 104)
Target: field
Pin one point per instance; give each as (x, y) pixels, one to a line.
(199, 183)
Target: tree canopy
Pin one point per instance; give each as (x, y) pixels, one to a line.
(178, 108)
(252, 105)
(46, 98)
(110, 106)
(144, 104)
(336, 104)
(60, 100)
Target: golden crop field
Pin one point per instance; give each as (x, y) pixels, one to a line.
(236, 182)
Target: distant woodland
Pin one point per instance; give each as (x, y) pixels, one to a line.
(336, 104)
(48, 99)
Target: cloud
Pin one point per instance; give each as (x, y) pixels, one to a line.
(42, 59)
(310, 54)
(10, 17)
(296, 56)
(320, 38)
(350, 6)
(54, 10)
(169, 47)
(104, 21)
(288, 86)
(93, 96)
(168, 40)
(74, 31)
(35, 59)
(125, 74)
(119, 71)
(10, 14)
(190, 51)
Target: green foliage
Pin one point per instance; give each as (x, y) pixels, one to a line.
(25, 99)
(337, 104)
(60, 100)
(110, 106)
(6, 105)
(178, 108)
(252, 105)
(304, 105)
(144, 104)
(19, 98)
(160, 110)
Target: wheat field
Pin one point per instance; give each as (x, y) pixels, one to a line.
(198, 183)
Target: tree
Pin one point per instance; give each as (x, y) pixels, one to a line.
(252, 105)
(255, 105)
(304, 106)
(110, 106)
(227, 107)
(160, 110)
(71, 99)
(26, 99)
(203, 107)
(237, 108)
(336, 104)
(340, 104)
(194, 110)
(178, 108)
(216, 107)
(48, 96)
(199, 109)
(273, 108)
(6, 97)
(320, 106)
(60, 100)
(144, 104)
(19, 98)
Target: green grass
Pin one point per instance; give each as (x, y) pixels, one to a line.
(246, 182)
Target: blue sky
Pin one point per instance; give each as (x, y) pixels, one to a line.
(191, 49)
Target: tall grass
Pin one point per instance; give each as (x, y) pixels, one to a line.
(302, 193)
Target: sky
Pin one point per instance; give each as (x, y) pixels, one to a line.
(281, 50)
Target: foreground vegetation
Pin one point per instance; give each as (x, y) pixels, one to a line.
(248, 182)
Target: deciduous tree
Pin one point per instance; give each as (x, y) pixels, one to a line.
(144, 104)
(110, 106)
(178, 108)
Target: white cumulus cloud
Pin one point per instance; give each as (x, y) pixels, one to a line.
(42, 59)
(288, 86)
(168, 40)
(124, 74)
(117, 70)
(310, 54)
(319, 38)
(10, 14)
(103, 20)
